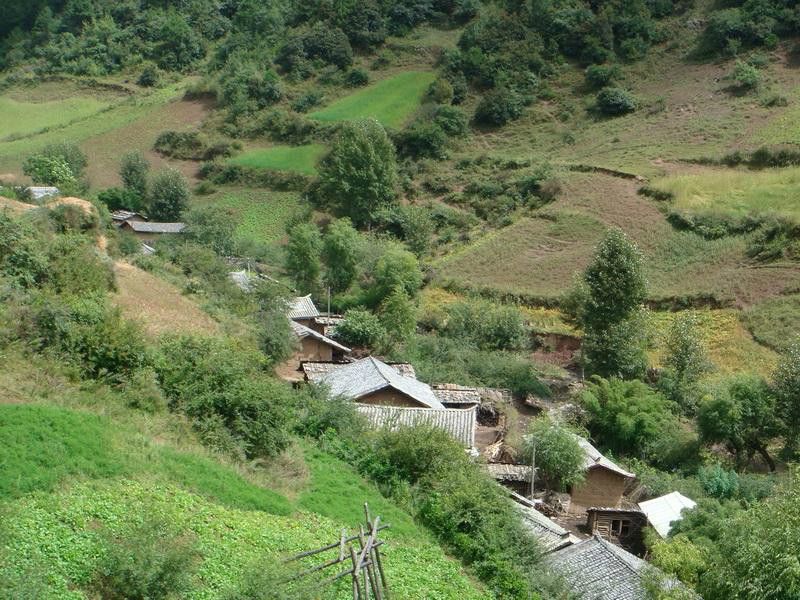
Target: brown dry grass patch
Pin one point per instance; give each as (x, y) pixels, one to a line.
(157, 305)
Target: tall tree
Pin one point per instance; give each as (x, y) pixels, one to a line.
(614, 288)
(340, 254)
(133, 170)
(303, 257)
(685, 362)
(359, 175)
(786, 384)
(398, 315)
(559, 457)
(169, 195)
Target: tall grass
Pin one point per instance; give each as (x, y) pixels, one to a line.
(300, 159)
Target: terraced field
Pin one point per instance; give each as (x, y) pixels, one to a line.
(302, 159)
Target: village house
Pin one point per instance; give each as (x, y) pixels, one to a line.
(316, 347)
(623, 526)
(313, 371)
(456, 396)
(149, 232)
(514, 477)
(371, 381)
(459, 423)
(661, 512)
(550, 535)
(122, 216)
(604, 482)
(302, 310)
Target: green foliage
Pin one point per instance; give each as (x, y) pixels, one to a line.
(356, 78)
(150, 76)
(22, 258)
(48, 170)
(147, 563)
(678, 556)
(397, 268)
(360, 329)
(121, 199)
(742, 415)
(71, 153)
(422, 140)
(559, 456)
(745, 76)
(340, 254)
(212, 226)
(600, 76)
(631, 418)
(398, 314)
(359, 175)
(273, 581)
(498, 107)
(169, 195)
(786, 385)
(615, 101)
(487, 325)
(719, 483)
(235, 406)
(133, 170)
(303, 256)
(685, 362)
(451, 120)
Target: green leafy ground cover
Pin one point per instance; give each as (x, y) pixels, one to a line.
(21, 118)
(261, 214)
(391, 101)
(69, 477)
(775, 322)
(302, 159)
(735, 193)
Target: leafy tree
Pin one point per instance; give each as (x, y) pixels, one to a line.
(275, 338)
(340, 253)
(48, 170)
(631, 418)
(786, 385)
(70, 153)
(133, 171)
(360, 328)
(169, 195)
(559, 456)
(614, 101)
(685, 361)
(121, 199)
(359, 175)
(745, 76)
(398, 316)
(303, 256)
(487, 325)
(177, 45)
(397, 268)
(742, 416)
(498, 107)
(680, 557)
(212, 226)
(718, 482)
(610, 297)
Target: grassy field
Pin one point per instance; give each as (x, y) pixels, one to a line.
(775, 322)
(731, 348)
(262, 215)
(391, 101)
(24, 118)
(302, 159)
(735, 193)
(157, 305)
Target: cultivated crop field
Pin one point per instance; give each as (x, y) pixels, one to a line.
(736, 193)
(301, 159)
(19, 118)
(391, 101)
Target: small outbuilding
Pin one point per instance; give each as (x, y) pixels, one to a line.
(459, 423)
(121, 216)
(604, 481)
(150, 231)
(661, 512)
(303, 310)
(514, 477)
(316, 347)
(623, 526)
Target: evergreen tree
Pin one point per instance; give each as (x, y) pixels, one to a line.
(303, 257)
(359, 175)
(133, 170)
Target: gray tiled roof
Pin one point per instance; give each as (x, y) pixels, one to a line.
(316, 370)
(550, 535)
(458, 422)
(598, 570)
(124, 215)
(593, 459)
(449, 393)
(369, 375)
(144, 227)
(302, 331)
(302, 307)
(507, 472)
(38, 192)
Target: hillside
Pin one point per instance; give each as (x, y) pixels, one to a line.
(588, 209)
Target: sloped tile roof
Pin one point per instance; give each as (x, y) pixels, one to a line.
(662, 511)
(550, 534)
(38, 192)
(598, 570)
(301, 331)
(316, 370)
(302, 307)
(145, 227)
(458, 422)
(449, 393)
(507, 472)
(124, 215)
(593, 459)
(368, 375)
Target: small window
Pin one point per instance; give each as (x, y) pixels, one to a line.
(616, 526)
(625, 530)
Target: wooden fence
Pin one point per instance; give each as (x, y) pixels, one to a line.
(362, 552)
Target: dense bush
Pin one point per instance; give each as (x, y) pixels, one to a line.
(451, 120)
(745, 76)
(356, 78)
(614, 101)
(190, 145)
(360, 329)
(498, 107)
(489, 326)
(168, 195)
(422, 140)
(600, 76)
(559, 456)
(328, 44)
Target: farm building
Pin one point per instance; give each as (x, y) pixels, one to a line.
(370, 381)
(459, 423)
(316, 347)
(604, 481)
(661, 512)
(550, 535)
(39, 192)
(302, 310)
(619, 525)
(599, 570)
(316, 370)
(515, 477)
(122, 216)
(149, 232)
(456, 396)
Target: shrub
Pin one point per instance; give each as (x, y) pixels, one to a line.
(600, 76)
(48, 170)
(488, 326)
(133, 170)
(145, 563)
(440, 91)
(360, 328)
(422, 140)
(22, 256)
(121, 199)
(745, 76)
(212, 226)
(169, 195)
(718, 482)
(498, 107)
(614, 101)
(451, 120)
(399, 316)
(356, 78)
(307, 101)
(397, 268)
(150, 76)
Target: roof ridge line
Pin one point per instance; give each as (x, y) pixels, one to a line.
(613, 550)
